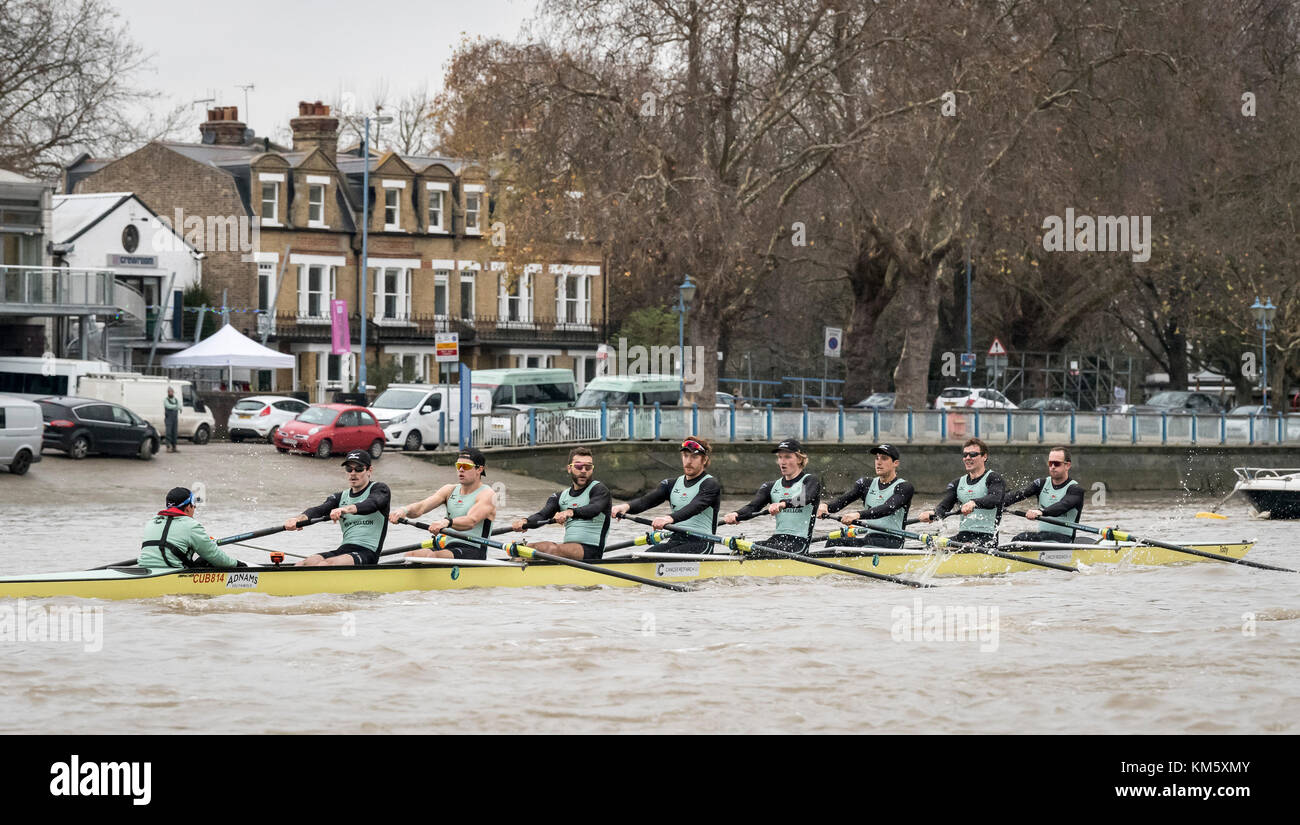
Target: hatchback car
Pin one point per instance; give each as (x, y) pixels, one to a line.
(81, 426)
(1181, 402)
(1048, 404)
(972, 397)
(259, 416)
(325, 429)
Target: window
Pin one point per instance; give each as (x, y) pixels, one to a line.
(270, 202)
(316, 284)
(440, 278)
(316, 205)
(392, 293)
(392, 209)
(351, 418)
(333, 367)
(265, 277)
(574, 298)
(467, 294)
(436, 205)
(473, 205)
(515, 298)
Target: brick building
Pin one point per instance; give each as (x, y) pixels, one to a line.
(281, 231)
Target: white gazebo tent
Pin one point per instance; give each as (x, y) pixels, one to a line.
(230, 348)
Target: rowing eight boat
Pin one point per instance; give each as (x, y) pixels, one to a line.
(451, 574)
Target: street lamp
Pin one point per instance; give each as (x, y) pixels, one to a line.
(685, 294)
(365, 235)
(1263, 318)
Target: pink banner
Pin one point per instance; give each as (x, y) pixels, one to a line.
(339, 322)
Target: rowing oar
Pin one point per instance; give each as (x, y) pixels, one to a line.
(1214, 511)
(265, 531)
(1113, 534)
(933, 540)
(516, 549)
(427, 544)
(749, 546)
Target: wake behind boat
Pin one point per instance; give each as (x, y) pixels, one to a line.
(456, 574)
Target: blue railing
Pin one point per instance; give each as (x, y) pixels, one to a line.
(859, 426)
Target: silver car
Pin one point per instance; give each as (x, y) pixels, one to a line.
(260, 416)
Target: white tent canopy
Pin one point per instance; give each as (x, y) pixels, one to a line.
(229, 348)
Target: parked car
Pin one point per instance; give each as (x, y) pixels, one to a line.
(325, 429)
(81, 426)
(1237, 424)
(877, 401)
(144, 395)
(260, 416)
(21, 433)
(972, 397)
(1181, 402)
(410, 414)
(1048, 404)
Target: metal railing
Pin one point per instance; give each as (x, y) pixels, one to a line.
(43, 290)
(856, 426)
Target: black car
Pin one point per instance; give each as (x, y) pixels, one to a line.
(80, 426)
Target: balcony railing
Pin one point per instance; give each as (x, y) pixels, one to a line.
(40, 290)
(482, 329)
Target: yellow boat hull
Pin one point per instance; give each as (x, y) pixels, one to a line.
(137, 583)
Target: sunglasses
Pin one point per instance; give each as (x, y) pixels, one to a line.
(465, 465)
(353, 468)
(581, 467)
(1056, 464)
(692, 446)
(971, 455)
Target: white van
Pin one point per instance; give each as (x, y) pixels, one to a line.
(410, 414)
(21, 431)
(33, 378)
(144, 394)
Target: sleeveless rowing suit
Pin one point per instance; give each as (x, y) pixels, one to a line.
(590, 533)
(459, 504)
(364, 531)
(981, 525)
(705, 521)
(794, 522)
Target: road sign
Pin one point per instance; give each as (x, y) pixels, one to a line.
(968, 362)
(997, 348)
(834, 342)
(446, 347)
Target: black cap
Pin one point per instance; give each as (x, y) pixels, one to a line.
(887, 449)
(357, 457)
(474, 455)
(179, 497)
(790, 445)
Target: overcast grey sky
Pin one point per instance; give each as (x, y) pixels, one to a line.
(292, 50)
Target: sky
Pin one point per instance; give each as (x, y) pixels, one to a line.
(291, 50)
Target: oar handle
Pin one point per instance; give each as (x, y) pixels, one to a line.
(266, 531)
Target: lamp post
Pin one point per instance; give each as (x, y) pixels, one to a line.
(685, 294)
(1263, 318)
(365, 236)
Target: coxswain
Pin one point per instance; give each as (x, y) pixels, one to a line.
(980, 492)
(694, 497)
(174, 539)
(793, 499)
(1059, 496)
(583, 508)
(361, 510)
(471, 505)
(885, 502)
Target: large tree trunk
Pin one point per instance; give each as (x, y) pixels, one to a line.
(873, 283)
(919, 319)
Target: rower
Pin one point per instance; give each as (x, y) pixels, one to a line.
(793, 499)
(980, 492)
(174, 539)
(886, 500)
(582, 508)
(471, 506)
(360, 510)
(1059, 496)
(694, 497)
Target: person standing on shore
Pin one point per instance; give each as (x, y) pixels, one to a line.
(171, 418)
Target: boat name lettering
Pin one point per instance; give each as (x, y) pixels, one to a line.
(677, 568)
(204, 578)
(241, 581)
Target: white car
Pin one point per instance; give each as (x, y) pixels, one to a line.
(972, 398)
(21, 433)
(260, 416)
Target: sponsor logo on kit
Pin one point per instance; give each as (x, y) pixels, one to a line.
(241, 581)
(666, 570)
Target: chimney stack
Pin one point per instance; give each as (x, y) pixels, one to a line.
(224, 128)
(314, 127)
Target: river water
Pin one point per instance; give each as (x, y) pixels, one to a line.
(1199, 648)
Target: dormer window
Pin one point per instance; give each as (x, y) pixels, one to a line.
(271, 197)
(393, 205)
(437, 205)
(473, 209)
(316, 185)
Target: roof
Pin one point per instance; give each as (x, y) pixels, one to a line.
(7, 176)
(74, 215)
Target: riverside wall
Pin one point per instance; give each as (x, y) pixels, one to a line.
(629, 468)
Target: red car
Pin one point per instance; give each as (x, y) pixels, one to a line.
(325, 429)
